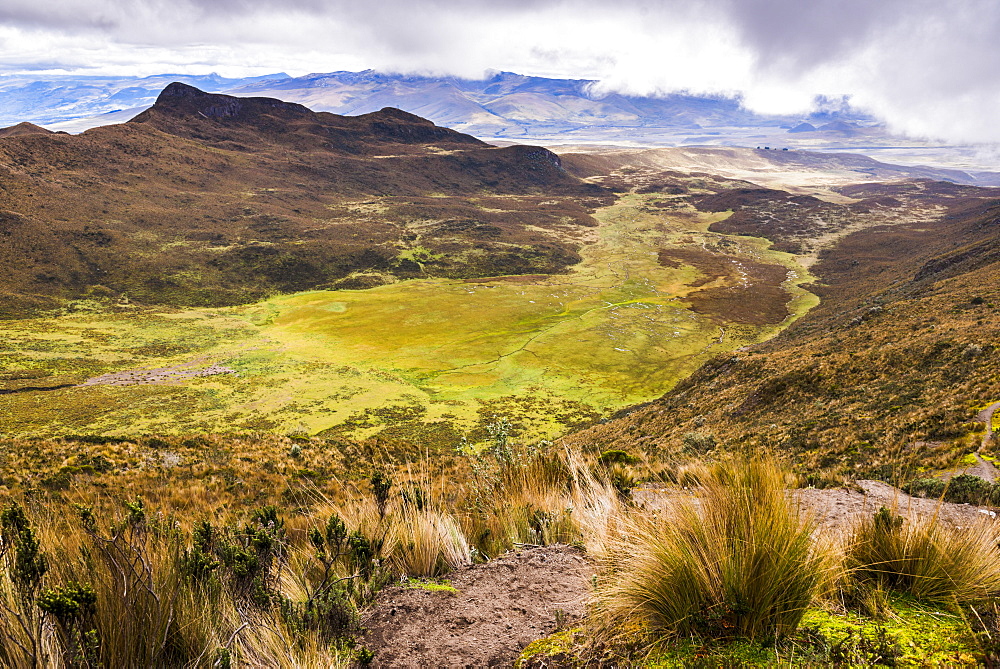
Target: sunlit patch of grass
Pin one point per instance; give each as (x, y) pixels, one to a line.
(614, 331)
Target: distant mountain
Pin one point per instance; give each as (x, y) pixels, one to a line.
(773, 168)
(49, 99)
(518, 106)
(237, 122)
(503, 105)
(23, 128)
(208, 199)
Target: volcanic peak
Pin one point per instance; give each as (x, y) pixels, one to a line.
(184, 99)
(225, 120)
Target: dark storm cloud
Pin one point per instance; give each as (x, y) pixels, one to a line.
(807, 33)
(926, 66)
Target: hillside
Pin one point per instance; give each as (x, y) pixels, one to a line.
(23, 128)
(892, 366)
(287, 388)
(209, 200)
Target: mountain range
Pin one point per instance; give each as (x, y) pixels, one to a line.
(503, 105)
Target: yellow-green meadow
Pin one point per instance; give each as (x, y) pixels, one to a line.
(437, 357)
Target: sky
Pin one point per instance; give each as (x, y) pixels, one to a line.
(928, 68)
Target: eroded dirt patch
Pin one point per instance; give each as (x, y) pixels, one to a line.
(836, 510)
(157, 376)
(496, 610)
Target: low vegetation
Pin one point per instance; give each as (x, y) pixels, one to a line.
(883, 379)
(95, 575)
(736, 574)
(269, 560)
(426, 360)
(925, 559)
(738, 561)
(960, 489)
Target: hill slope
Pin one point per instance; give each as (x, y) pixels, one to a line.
(209, 199)
(892, 366)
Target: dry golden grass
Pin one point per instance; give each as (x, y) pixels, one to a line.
(188, 565)
(926, 558)
(737, 560)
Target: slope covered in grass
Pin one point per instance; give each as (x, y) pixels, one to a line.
(892, 367)
(207, 200)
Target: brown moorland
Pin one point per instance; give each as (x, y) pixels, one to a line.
(208, 200)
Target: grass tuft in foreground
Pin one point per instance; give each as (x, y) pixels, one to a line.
(925, 558)
(737, 561)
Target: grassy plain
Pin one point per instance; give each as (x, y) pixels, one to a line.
(432, 358)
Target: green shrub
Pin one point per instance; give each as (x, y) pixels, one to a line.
(616, 457)
(928, 487)
(699, 442)
(966, 488)
(961, 489)
(71, 601)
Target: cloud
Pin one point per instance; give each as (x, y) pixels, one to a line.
(928, 67)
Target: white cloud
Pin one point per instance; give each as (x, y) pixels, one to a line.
(929, 67)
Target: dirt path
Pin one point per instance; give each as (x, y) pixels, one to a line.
(986, 416)
(983, 468)
(836, 509)
(495, 610)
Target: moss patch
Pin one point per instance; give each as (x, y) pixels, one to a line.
(431, 586)
(912, 635)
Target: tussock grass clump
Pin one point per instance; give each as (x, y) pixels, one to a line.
(736, 560)
(539, 496)
(925, 558)
(412, 537)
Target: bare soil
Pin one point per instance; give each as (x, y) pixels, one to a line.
(159, 375)
(837, 509)
(499, 608)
